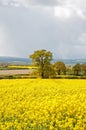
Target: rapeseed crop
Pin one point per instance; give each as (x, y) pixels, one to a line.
(42, 104)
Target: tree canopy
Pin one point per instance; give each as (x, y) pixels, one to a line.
(60, 67)
(77, 69)
(42, 59)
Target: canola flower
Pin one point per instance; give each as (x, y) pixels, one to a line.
(42, 104)
(22, 67)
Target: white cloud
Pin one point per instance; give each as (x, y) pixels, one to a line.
(71, 9)
(80, 13)
(62, 12)
(69, 12)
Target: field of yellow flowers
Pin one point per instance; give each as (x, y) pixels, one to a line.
(42, 104)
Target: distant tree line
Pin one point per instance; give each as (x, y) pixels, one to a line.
(43, 58)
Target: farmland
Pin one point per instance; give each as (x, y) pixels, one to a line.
(14, 72)
(42, 104)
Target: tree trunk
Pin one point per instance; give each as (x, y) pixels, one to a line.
(59, 72)
(77, 72)
(42, 75)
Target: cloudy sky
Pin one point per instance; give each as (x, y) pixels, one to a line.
(56, 25)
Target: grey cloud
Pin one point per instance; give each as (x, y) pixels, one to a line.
(30, 30)
(30, 2)
(68, 3)
(45, 2)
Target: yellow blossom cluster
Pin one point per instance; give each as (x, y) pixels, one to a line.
(42, 104)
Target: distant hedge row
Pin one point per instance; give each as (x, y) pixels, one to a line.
(34, 77)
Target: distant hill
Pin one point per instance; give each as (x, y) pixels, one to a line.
(71, 61)
(15, 60)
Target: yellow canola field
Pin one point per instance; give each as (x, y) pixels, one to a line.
(42, 104)
(22, 67)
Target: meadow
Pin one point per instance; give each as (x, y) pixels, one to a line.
(43, 104)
